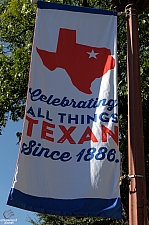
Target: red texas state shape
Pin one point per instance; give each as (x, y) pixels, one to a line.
(82, 63)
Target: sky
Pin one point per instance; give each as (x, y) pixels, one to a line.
(9, 152)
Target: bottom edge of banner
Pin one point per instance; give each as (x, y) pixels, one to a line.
(86, 207)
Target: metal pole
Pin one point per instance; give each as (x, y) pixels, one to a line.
(136, 162)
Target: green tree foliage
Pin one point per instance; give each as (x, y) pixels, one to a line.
(17, 20)
(16, 33)
(61, 220)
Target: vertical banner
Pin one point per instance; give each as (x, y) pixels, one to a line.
(69, 161)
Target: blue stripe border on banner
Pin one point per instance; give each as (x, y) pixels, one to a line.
(106, 208)
(51, 5)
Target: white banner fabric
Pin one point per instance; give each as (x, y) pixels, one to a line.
(69, 160)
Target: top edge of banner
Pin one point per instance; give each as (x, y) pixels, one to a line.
(58, 6)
